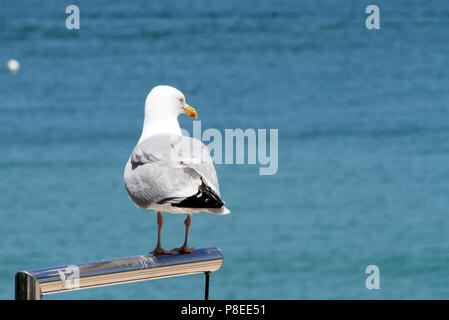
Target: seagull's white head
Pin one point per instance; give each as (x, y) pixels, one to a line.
(167, 102)
(162, 107)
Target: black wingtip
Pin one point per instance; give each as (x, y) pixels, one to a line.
(204, 198)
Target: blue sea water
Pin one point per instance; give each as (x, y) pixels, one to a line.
(363, 125)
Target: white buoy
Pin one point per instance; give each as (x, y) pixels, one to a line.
(13, 65)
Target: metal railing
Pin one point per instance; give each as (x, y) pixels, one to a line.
(33, 284)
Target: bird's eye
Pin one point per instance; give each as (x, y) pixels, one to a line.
(181, 100)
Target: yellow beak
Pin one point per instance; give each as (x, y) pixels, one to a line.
(190, 111)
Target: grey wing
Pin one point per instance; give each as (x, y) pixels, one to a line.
(174, 170)
(195, 155)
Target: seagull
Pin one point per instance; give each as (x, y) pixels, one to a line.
(169, 172)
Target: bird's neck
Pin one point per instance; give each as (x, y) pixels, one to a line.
(155, 125)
